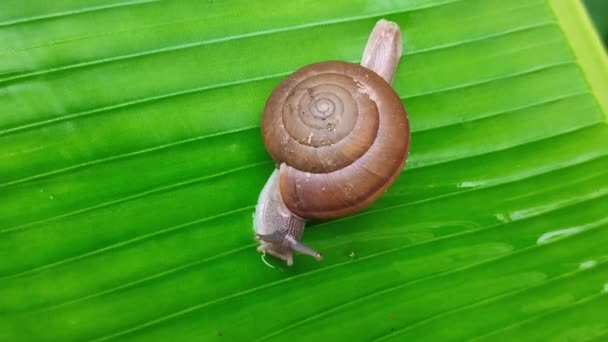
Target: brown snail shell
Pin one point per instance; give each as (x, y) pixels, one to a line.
(341, 136)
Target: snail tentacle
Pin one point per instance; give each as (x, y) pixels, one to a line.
(302, 248)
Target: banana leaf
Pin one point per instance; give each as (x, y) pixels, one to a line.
(598, 11)
(131, 161)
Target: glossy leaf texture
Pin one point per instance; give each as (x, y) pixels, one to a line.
(131, 161)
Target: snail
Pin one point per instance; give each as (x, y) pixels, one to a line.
(340, 136)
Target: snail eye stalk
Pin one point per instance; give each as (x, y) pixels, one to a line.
(302, 248)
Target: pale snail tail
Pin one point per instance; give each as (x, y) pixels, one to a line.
(303, 249)
(383, 50)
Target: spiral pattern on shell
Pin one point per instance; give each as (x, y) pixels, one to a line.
(340, 134)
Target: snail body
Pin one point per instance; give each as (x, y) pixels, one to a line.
(340, 136)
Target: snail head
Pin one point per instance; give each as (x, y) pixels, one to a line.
(277, 229)
(282, 246)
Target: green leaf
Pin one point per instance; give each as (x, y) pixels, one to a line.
(598, 11)
(131, 161)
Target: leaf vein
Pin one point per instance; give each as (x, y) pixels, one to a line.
(429, 242)
(268, 285)
(231, 83)
(74, 12)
